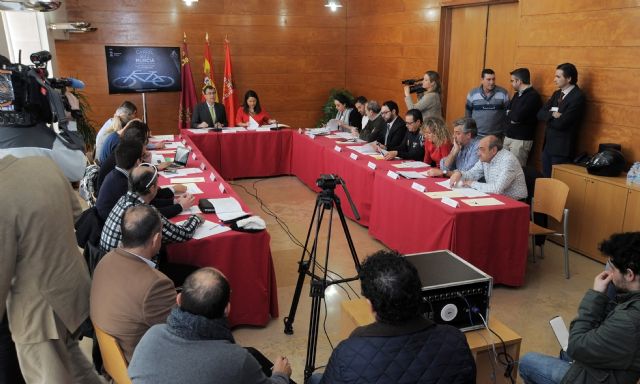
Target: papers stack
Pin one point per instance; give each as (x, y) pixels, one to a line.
(363, 149)
(227, 208)
(464, 191)
(198, 131)
(411, 164)
(192, 188)
(206, 229)
(318, 131)
(412, 175)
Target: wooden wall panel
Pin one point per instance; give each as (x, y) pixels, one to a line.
(290, 51)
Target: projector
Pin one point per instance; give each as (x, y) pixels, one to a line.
(454, 292)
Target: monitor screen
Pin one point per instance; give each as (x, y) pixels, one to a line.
(143, 69)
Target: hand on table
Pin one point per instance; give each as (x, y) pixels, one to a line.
(435, 172)
(186, 200)
(164, 165)
(391, 155)
(203, 125)
(455, 177)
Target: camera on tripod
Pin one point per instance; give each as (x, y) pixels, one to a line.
(415, 85)
(328, 181)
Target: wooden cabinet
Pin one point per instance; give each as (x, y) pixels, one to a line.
(598, 207)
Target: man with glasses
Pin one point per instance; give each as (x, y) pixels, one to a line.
(391, 137)
(143, 186)
(412, 145)
(209, 114)
(604, 339)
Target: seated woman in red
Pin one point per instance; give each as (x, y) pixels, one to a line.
(437, 141)
(251, 107)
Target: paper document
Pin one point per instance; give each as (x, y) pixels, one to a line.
(317, 131)
(444, 183)
(486, 202)
(227, 208)
(190, 211)
(186, 180)
(253, 124)
(160, 138)
(192, 188)
(275, 125)
(470, 192)
(198, 131)
(332, 125)
(157, 158)
(363, 149)
(208, 228)
(180, 172)
(262, 129)
(163, 151)
(441, 194)
(411, 164)
(173, 145)
(411, 175)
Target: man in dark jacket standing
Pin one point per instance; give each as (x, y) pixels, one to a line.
(604, 340)
(521, 121)
(401, 346)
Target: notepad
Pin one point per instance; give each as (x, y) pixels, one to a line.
(191, 188)
(484, 202)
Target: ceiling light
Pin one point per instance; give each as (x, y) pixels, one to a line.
(333, 4)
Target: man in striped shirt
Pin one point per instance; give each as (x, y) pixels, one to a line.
(487, 105)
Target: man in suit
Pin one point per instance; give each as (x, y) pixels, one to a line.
(209, 114)
(391, 137)
(43, 277)
(128, 293)
(563, 114)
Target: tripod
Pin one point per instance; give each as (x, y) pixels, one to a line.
(325, 201)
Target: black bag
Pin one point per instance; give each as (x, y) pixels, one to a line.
(206, 206)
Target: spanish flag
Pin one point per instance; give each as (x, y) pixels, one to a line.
(188, 98)
(208, 68)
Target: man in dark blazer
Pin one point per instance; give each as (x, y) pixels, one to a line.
(563, 114)
(209, 114)
(391, 137)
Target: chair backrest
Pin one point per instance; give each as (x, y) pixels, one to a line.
(550, 197)
(112, 357)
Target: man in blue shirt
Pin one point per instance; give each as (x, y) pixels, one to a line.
(487, 105)
(464, 154)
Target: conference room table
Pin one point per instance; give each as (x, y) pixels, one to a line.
(493, 238)
(244, 258)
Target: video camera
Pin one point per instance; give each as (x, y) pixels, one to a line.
(28, 98)
(415, 85)
(328, 181)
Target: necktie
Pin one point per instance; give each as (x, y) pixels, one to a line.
(212, 111)
(386, 136)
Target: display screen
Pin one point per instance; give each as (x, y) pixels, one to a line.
(143, 69)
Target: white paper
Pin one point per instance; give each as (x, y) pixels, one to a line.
(263, 129)
(180, 172)
(206, 229)
(411, 174)
(185, 180)
(161, 137)
(198, 131)
(332, 125)
(275, 125)
(470, 192)
(192, 210)
(157, 158)
(227, 208)
(363, 149)
(163, 151)
(318, 131)
(253, 124)
(411, 164)
(192, 188)
(173, 145)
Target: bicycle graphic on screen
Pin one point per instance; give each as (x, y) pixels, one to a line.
(136, 76)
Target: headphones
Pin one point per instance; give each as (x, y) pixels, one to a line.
(136, 187)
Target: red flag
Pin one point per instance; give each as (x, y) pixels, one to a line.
(228, 94)
(188, 99)
(208, 68)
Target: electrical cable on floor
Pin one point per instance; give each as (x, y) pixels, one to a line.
(509, 363)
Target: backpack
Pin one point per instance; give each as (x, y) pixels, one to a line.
(88, 183)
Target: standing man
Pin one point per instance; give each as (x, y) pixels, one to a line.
(43, 277)
(391, 137)
(464, 153)
(487, 104)
(209, 114)
(521, 118)
(563, 114)
(604, 342)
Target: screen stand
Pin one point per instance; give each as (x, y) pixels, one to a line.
(144, 107)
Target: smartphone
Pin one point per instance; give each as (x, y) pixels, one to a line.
(561, 331)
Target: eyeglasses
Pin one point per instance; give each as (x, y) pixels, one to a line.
(385, 112)
(155, 174)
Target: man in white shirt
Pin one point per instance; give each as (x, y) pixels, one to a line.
(500, 168)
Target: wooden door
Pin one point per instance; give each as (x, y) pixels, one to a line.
(632, 212)
(575, 204)
(481, 37)
(604, 206)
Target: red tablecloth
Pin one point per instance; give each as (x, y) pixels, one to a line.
(245, 258)
(246, 154)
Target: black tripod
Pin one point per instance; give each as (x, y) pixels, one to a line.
(326, 200)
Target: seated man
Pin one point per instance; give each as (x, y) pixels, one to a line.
(391, 136)
(401, 346)
(375, 123)
(604, 342)
(143, 186)
(209, 114)
(464, 153)
(196, 345)
(115, 185)
(499, 167)
(128, 293)
(412, 145)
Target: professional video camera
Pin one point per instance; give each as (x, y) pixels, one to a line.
(28, 98)
(415, 85)
(328, 181)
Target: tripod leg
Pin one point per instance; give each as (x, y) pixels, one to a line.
(317, 293)
(347, 234)
(303, 267)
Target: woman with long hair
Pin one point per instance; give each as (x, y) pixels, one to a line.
(348, 117)
(437, 141)
(429, 104)
(251, 108)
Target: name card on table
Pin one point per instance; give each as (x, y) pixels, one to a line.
(212, 177)
(202, 166)
(372, 165)
(450, 202)
(337, 148)
(221, 188)
(353, 156)
(393, 175)
(419, 187)
(193, 156)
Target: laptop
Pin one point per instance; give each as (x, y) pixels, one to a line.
(181, 158)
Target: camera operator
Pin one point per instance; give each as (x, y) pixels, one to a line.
(36, 101)
(428, 94)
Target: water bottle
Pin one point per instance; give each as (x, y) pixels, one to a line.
(633, 176)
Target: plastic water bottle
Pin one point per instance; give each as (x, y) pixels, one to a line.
(633, 176)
